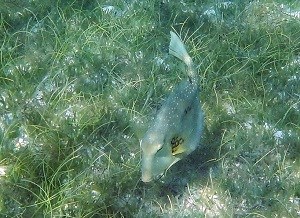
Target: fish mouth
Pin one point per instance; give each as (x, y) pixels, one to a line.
(146, 178)
(148, 175)
(147, 170)
(149, 178)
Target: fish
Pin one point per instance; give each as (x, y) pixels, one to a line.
(177, 128)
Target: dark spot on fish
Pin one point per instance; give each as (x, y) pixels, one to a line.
(187, 109)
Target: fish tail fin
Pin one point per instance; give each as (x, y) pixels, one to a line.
(177, 49)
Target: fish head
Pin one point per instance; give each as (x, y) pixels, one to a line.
(157, 157)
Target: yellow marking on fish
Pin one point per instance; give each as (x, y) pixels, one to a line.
(177, 145)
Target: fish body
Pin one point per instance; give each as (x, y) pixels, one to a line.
(177, 128)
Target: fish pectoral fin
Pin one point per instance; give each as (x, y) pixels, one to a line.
(178, 149)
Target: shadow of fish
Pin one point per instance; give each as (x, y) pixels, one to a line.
(177, 128)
